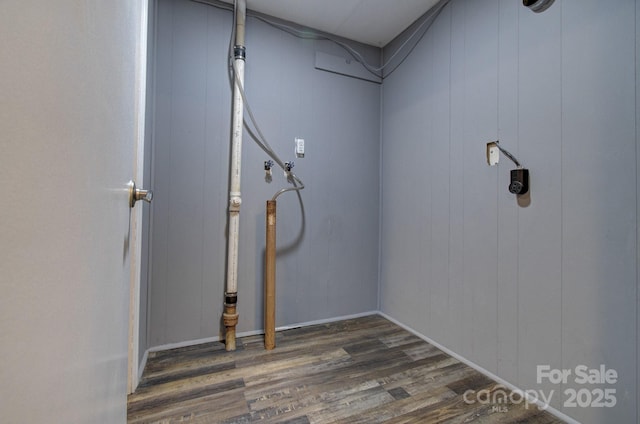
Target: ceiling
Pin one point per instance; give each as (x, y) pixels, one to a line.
(374, 22)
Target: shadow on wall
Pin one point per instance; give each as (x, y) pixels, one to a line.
(282, 251)
(295, 243)
(524, 200)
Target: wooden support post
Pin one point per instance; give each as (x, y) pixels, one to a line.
(270, 279)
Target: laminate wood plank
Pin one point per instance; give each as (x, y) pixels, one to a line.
(206, 354)
(354, 404)
(364, 370)
(451, 408)
(474, 382)
(352, 373)
(270, 370)
(315, 340)
(422, 379)
(321, 405)
(188, 393)
(399, 338)
(421, 351)
(184, 373)
(384, 413)
(220, 405)
(355, 368)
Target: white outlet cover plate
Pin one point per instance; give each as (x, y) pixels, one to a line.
(493, 154)
(299, 142)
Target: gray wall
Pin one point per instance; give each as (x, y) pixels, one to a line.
(328, 240)
(551, 279)
(143, 329)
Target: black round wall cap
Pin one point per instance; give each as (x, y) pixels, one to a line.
(537, 5)
(519, 183)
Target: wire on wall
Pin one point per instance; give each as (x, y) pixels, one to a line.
(406, 47)
(379, 71)
(258, 135)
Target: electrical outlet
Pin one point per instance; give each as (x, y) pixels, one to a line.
(493, 153)
(299, 147)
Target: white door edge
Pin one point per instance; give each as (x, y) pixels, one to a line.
(136, 213)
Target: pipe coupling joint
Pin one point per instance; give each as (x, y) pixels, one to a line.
(230, 316)
(230, 299)
(230, 320)
(234, 203)
(239, 52)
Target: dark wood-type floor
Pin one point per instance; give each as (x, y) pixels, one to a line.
(366, 370)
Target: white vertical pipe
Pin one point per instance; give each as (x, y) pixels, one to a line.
(230, 317)
(234, 195)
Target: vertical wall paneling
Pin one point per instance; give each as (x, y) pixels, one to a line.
(539, 220)
(327, 238)
(160, 210)
(459, 332)
(404, 157)
(389, 236)
(509, 283)
(507, 214)
(145, 265)
(337, 168)
(479, 187)
(217, 118)
(545, 279)
(186, 164)
(178, 235)
(427, 161)
(637, 69)
(439, 155)
(599, 216)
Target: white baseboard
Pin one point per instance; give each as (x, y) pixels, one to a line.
(326, 321)
(256, 332)
(186, 343)
(246, 334)
(480, 369)
(142, 364)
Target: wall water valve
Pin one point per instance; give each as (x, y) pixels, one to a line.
(268, 164)
(288, 166)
